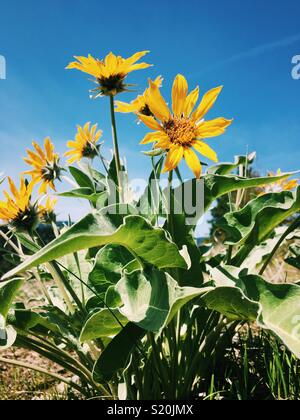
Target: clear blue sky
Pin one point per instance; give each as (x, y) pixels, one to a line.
(245, 45)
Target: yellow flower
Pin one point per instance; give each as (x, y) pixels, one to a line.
(111, 72)
(278, 186)
(85, 143)
(183, 129)
(46, 211)
(17, 209)
(45, 165)
(138, 105)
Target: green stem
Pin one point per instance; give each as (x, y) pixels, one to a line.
(290, 229)
(115, 143)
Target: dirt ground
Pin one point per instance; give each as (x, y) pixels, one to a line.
(23, 384)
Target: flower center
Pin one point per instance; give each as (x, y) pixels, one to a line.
(51, 171)
(90, 150)
(112, 85)
(181, 131)
(146, 111)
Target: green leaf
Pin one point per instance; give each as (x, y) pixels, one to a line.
(8, 293)
(149, 202)
(28, 320)
(280, 309)
(184, 238)
(246, 297)
(258, 219)
(117, 353)
(100, 228)
(109, 264)
(231, 302)
(107, 271)
(215, 186)
(151, 298)
(227, 167)
(82, 179)
(154, 152)
(8, 335)
(98, 199)
(104, 323)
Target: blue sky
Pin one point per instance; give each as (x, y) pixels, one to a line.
(245, 45)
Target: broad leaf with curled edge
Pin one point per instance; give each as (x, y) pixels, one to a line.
(224, 168)
(107, 271)
(275, 307)
(104, 323)
(151, 298)
(258, 219)
(100, 228)
(215, 186)
(8, 293)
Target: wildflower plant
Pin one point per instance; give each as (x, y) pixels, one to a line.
(129, 300)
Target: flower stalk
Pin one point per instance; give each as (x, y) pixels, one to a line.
(116, 145)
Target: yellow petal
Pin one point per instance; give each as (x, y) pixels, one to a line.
(124, 107)
(74, 159)
(151, 137)
(156, 102)
(135, 57)
(205, 150)
(158, 81)
(49, 147)
(39, 150)
(173, 158)
(150, 122)
(179, 92)
(13, 188)
(212, 128)
(190, 102)
(207, 103)
(192, 161)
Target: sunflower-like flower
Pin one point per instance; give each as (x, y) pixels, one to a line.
(46, 211)
(183, 129)
(17, 210)
(85, 143)
(111, 72)
(139, 104)
(45, 165)
(278, 186)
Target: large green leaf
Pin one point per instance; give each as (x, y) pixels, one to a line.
(29, 320)
(258, 219)
(117, 353)
(184, 237)
(149, 202)
(231, 302)
(108, 267)
(224, 168)
(83, 179)
(275, 307)
(8, 293)
(280, 308)
(107, 271)
(151, 298)
(105, 323)
(98, 199)
(100, 228)
(215, 186)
